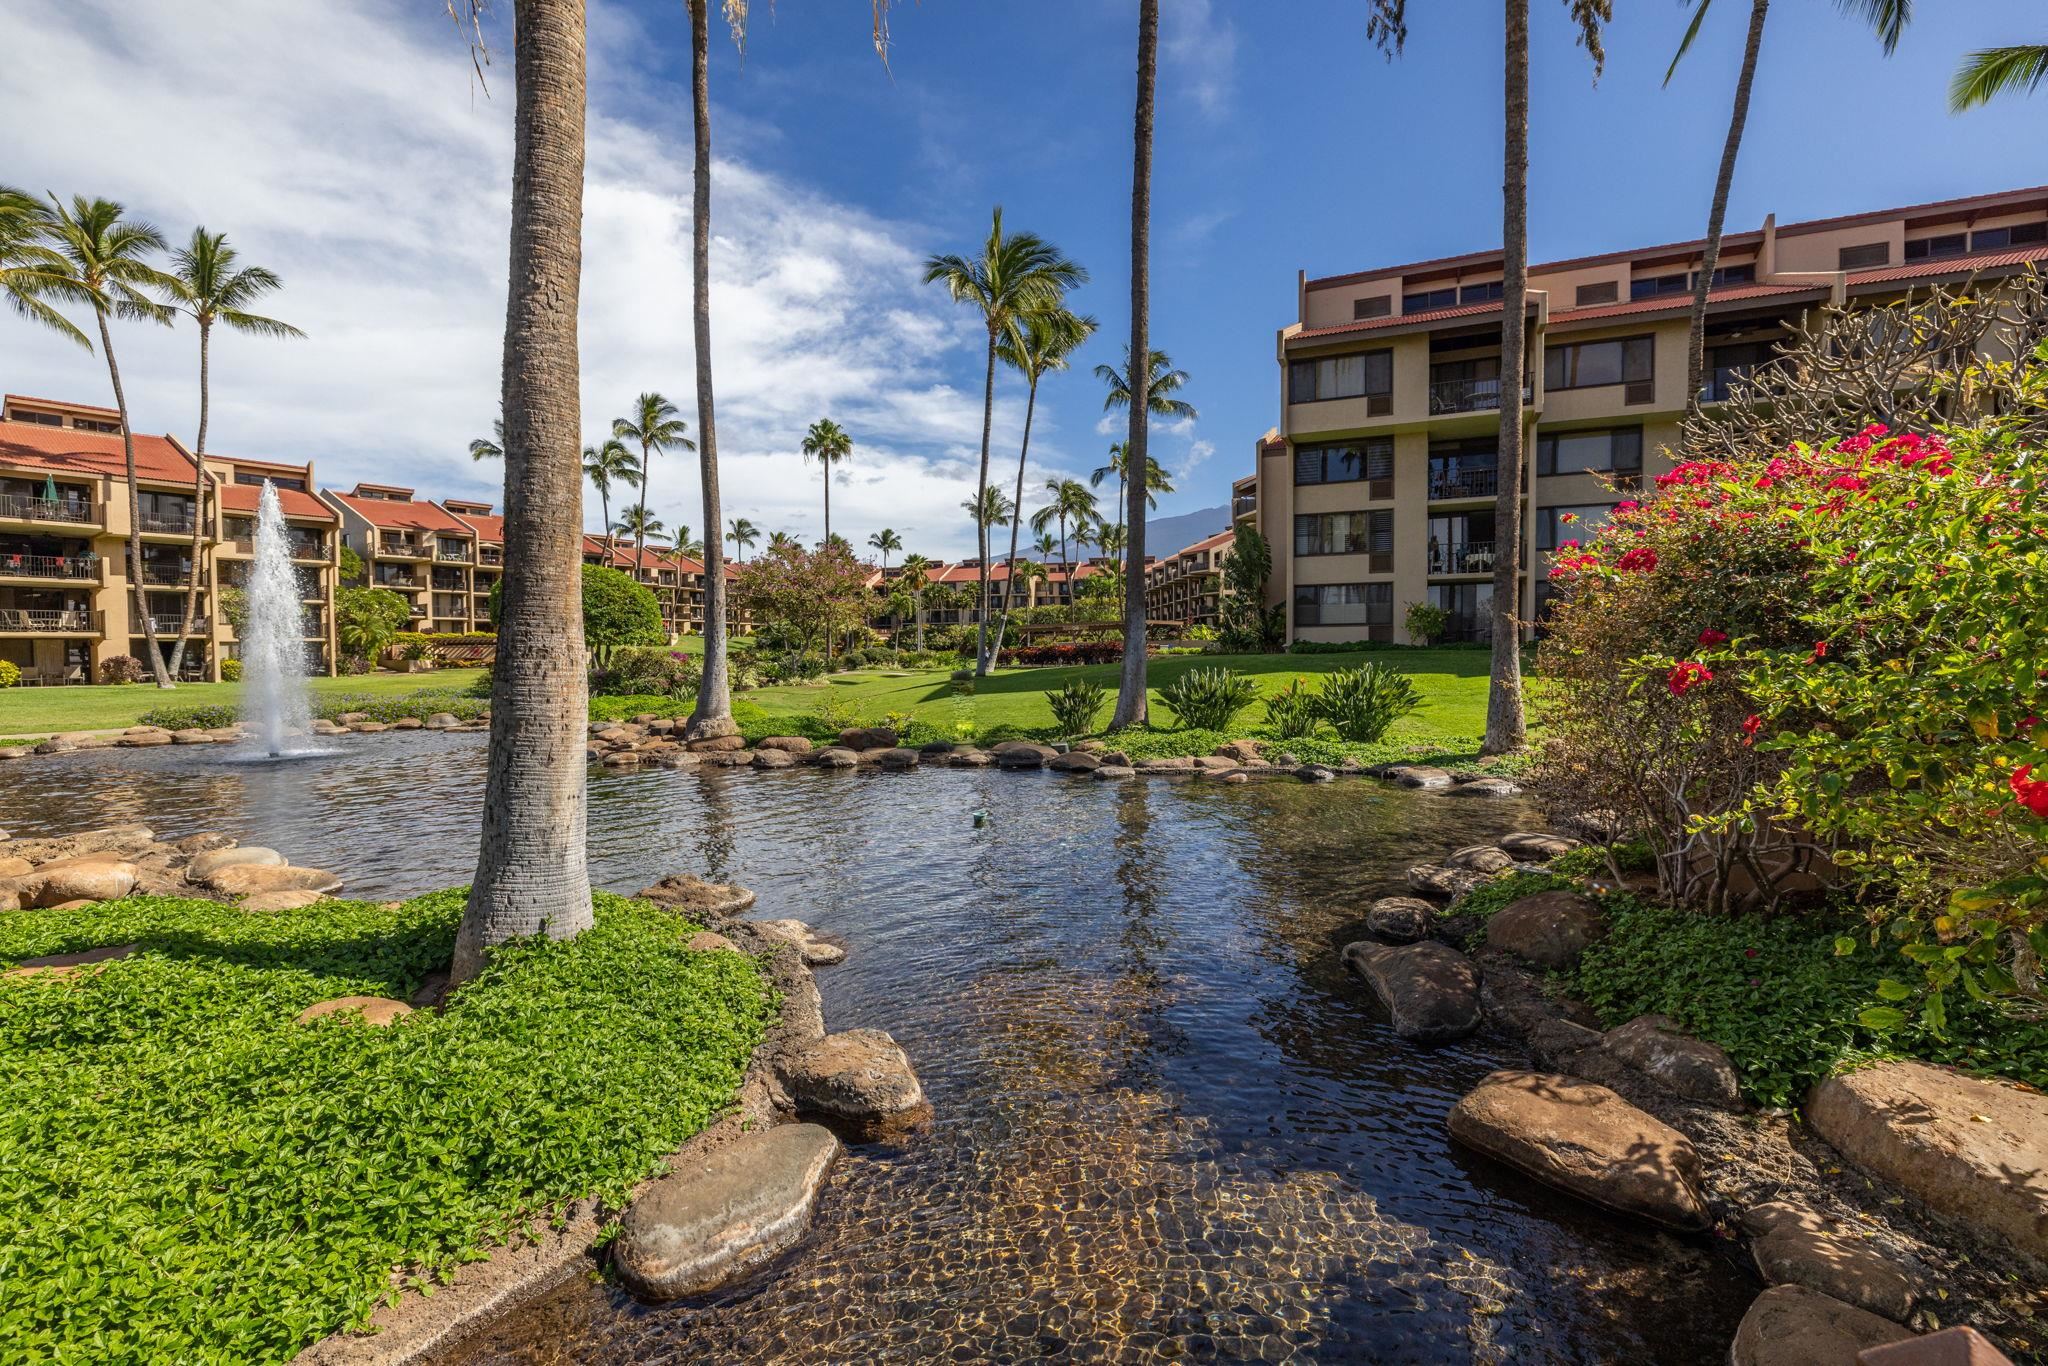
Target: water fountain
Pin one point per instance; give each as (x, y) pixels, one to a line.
(279, 706)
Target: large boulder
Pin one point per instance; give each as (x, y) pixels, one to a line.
(1794, 1246)
(696, 898)
(858, 738)
(89, 877)
(1020, 755)
(1239, 751)
(898, 760)
(249, 879)
(1443, 883)
(1535, 846)
(1692, 1068)
(1486, 787)
(789, 744)
(1400, 919)
(717, 744)
(1547, 930)
(205, 865)
(860, 1075)
(1431, 991)
(290, 900)
(370, 1010)
(833, 756)
(773, 758)
(1587, 1141)
(1789, 1325)
(205, 842)
(816, 950)
(1113, 773)
(719, 1214)
(1481, 858)
(14, 867)
(1074, 761)
(1419, 776)
(1973, 1150)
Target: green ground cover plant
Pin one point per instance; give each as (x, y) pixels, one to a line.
(188, 1175)
(47, 711)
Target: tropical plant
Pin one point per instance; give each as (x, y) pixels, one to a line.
(916, 578)
(1038, 346)
(1361, 703)
(1010, 277)
(827, 443)
(30, 271)
(638, 523)
(1118, 468)
(778, 539)
(744, 535)
(1075, 707)
(1044, 543)
(655, 425)
(992, 508)
(1247, 623)
(1993, 71)
(683, 543)
(120, 669)
(1426, 622)
(1112, 540)
(1294, 712)
(807, 595)
(491, 447)
(887, 542)
(640, 672)
(10, 674)
(366, 620)
(606, 464)
(1161, 384)
(100, 259)
(614, 611)
(210, 285)
(1208, 699)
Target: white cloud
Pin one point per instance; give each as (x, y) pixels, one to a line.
(1200, 50)
(351, 153)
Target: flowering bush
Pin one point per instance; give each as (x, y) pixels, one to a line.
(1071, 652)
(231, 671)
(120, 669)
(10, 674)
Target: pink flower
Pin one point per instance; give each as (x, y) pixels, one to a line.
(1642, 558)
(2030, 792)
(1712, 637)
(1820, 652)
(1751, 724)
(1689, 674)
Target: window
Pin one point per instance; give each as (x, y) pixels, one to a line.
(1480, 294)
(1344, 604)
(1726, 364)
(1604, 292)
(1552, 528)
(1864, 255)
(258, 480)
(1427, 299)
(1744, 274)
(1470, 606)
(1619, 451)
(87, 424)
(1584, 365)
(1652, 286)
(40, 419)
(1934, 248)
(1378, 306)
(2018, 235)
(1463, 469)
(1345, 462)
(1353, 376)
(1344, 533)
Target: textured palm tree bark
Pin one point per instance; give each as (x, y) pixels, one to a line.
(1504, 723)
(712, 715)
(1130, 694)
(188, 620)
(156, 659)
(531, 874)
(1710, 257)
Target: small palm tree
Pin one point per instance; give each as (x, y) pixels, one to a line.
(780, 540)
(1010, 277)
(1111, 540)
(491, 447)
(1037, 347)
(604, 465)
(887, 542)
(833, 538)
(917, 578)
(1071, 503)
(101, 260)
(828, 444)
(1163, 383)
(30, 270)
(209, 286)
(743, 534)
(686, 544)
(656, 426)
(993, 508)
(1993, 71)
(1044, 544)
(1156, 481)
(636, 522)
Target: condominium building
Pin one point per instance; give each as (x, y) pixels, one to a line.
(490, 555)
(1187, 586)
(1376, 488)
(313, 530)
(417, 549)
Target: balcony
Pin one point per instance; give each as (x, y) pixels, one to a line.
(488, 556)
(166, 575)
(452, 554)
(1468, 557)
(22, 507)
(34, 621)
(68, 568)
(1721, 382)
(1448, 396)
(171, 523)
(400, 581)
(171, 623)
(399, 548)
(1447, 483)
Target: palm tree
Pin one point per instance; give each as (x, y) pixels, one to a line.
(780, 540)
(683, 543)
(209, 287)
(1130, 688)
(656, 426)
(1505, 728)
(490, 447)
(1993, 71)
(916, 577)
(993, 508)
(1038, 346)
(1156, 481)
(531, 874)
(640, 524)
(29, 268)
(828, 444)
(1011, 276)
(1888, 17)
(1044, 543)
(606, 464)
(102, 261)
(1071, 502)
(1161, 385)
(1111, 540)
(887, 542)
(743, 534)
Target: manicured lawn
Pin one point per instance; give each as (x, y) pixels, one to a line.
(44, 711)
(190, 1175)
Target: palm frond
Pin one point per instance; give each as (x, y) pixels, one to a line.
(1692, 31)
(1887, 18)
(1994, 71)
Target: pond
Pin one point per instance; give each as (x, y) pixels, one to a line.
(1167, 1124)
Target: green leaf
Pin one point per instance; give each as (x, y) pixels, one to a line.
(1844, 946)
(1893, 991)
(1881, 1017)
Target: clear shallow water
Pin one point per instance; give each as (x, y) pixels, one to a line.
(1168, 1126)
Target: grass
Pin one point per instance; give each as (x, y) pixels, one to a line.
(46, 711)
(189, 1175)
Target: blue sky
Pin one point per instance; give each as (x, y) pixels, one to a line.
(355, 158)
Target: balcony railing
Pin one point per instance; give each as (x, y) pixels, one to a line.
(397, 581)
(1721, 381)
(22, 507)
(168, 523)
(169, 575)
(37, 621)
(1463, 483)
(1468, 557)
(493, 558)
(456, 554)
(302, 547)
(1466, 395)
(1243, 505)
(83, 568)
(171, 623)
(403, 549)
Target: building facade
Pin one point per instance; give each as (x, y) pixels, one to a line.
(417, 549)
(1376, 489)
(1188, 586)
(314, 532)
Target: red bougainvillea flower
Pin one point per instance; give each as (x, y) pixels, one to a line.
(1686, 675)
(1626, 505)
(1751, 724)
(1820, 652)
(2030, 792)
(1712, 637)
(1640, 559)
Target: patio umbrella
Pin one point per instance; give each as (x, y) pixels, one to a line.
(49, 488)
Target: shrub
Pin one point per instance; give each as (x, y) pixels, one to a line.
(231, 671)
(366, 620)
(120, 669)
(1496, 894)
(10, 674)
(640, 672)
(420, 704)
(1362, 702)
(1248, 624)
(189, 716)
(1075, 707)
(1209, 699)
(1201, 634)
(1069, 652)
(617, 611)
(1426, 622)
(792, 666)
(1295, 711)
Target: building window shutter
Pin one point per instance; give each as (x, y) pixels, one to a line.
(1602, 292)
(1379, 468)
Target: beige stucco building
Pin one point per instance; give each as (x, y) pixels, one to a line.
(1376, 488)
(1187, 586)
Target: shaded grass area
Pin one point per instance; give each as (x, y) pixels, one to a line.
(189, 1175)
(44, 711)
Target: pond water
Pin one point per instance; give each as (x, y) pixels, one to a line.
(1167, 1124)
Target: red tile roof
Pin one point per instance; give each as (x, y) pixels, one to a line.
(63, 403)
(1206, 543)
(66, 450)
(488, 526)
(408, 516)
(1954, 265)
(248, 497)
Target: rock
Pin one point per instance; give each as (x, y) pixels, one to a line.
(858, 738)
(247, 879)
(935, 749)
(14, 867)
(368, 727)
(1692, 1068)
(1549, 930)
(816, 951)
(1110, 773)
(1758, 1220)
(16, 752)
(646, 718)
(717, 744)
(1562, 1044)
(709, 727)
(722, 1212)
(10, 896)
(1419, 775)
(1445, 884)
(370, 1010)
(1481, 858)
(898, 760)
(970, 758)
(834, 757)
(1222, 775)
(145, 739)
(205, 865)
(1114, 757)
(710, 941)
(728, 758)
(774, 758)
(1024, 756)
(788, 744)
(1400, 919)
(205, 842)
(1841, 1268)
(442, 720)
(1176, 764)
(191, 737)
(1239, 751)
(1214, 762)
(1431, 991)
(89, 878)
(1486, 787)
(408, 723)
(678, 758)
(1789, 1325)
(694, 897)
(1973, 1150)
(1586, 1141)
(1315, 773)
(1074, 761)
(288, 900)
(859, 1075)
(623, 758)
(1535, 847)
(1960, 1346)
(350, 718)
(322, 726)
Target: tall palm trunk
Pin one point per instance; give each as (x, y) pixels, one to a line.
(188, 618)
(827, 462)
(640, 522)
(1504, 725)
(156, 659)
(988, 417)
(1710, 256)
(1016, 524)
(1063, 548)
(1130, 695)
(712, 716)
(531, 875)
